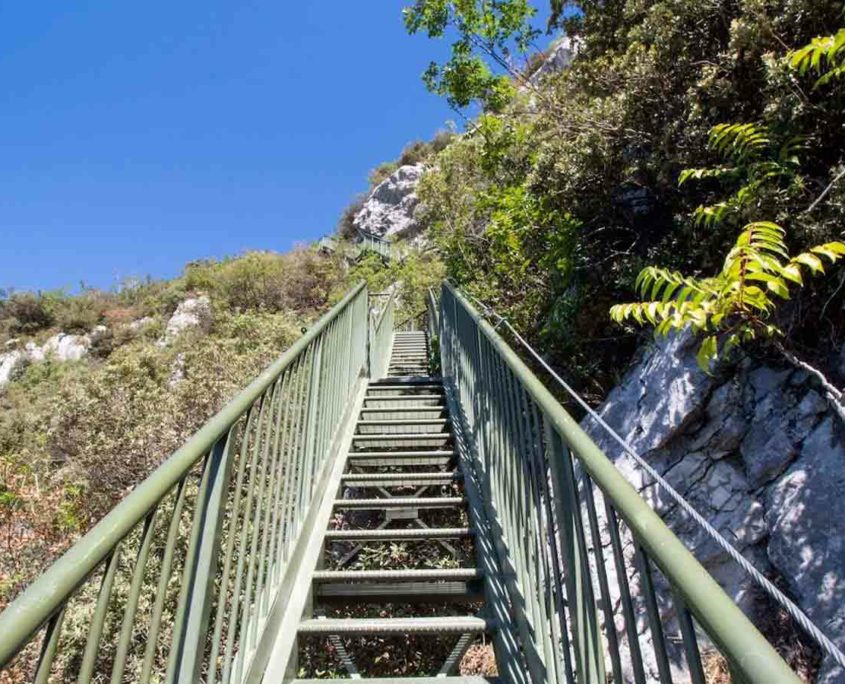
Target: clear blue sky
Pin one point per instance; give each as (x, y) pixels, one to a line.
(135, 137)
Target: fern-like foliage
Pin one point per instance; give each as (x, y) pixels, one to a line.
(823, 56)
(734, 306)
(758, 162)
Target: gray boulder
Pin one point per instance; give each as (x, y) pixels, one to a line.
(12, 364)
(759, 454)
(806, 520)
(191, 313)
(66, 347)
(560, 56)
(389, 209)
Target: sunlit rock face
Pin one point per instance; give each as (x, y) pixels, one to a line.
(389, 209)
(194, 312)
(559, 58)
(760, 454)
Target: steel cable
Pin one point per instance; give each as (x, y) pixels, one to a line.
(776, 594)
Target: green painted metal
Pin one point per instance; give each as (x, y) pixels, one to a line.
(201, 571)
(176, 582)
(368, 242)
(381, 338)
(529, 450)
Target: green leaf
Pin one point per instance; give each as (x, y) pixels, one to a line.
(707, 353)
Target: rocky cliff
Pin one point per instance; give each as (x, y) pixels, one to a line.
(758, 452)
(388, 210)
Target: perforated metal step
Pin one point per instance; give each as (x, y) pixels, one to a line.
(411, 533)
(417, 625)
(401, 502)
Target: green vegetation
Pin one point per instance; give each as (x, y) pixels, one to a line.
(564, 189)
(76, 436)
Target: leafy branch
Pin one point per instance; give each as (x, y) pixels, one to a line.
(758, 161)
(734, 306)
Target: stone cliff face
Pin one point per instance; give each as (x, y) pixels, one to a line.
(760, 455)
(389, 209)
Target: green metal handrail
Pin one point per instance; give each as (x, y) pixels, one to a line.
(433, 312)
(175, 583)
(381, 338)
(542, 476)
(373, 243)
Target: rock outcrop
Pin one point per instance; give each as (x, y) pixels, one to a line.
(194, 312)
(60, 347)
(560, 56)
(389, 209)
(760, 455)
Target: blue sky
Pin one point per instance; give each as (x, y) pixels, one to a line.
(135, 137)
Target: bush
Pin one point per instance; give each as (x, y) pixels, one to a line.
(26, 312)
(346, 224)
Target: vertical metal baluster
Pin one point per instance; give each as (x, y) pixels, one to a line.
(604, 587)
(235, 622)
(48, 647)
(693, 655)
(543, 577)
(247, 605)
(163, 580)
(234, 527)
(285, 461)
(191, 626)
(295, 462)
(132, 600)
(625, 594)
(92, 645)
(586, 636)
(272, 455)
(561, 625)
(657, 637)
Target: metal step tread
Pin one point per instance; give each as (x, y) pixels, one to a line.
(404, 409)
(413, 533)
(413, 575)
(400, 479)
(472, 679)
(401, 436)
(416, 380)
(402, 502)
(401, 592)
(404, 421)
(404, 397)
(441, 453)
(415, 625)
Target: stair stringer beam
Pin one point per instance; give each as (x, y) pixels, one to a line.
(277, 645)
(512, 665)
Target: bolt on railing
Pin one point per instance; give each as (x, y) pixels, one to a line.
(176, 583)
(596, 580)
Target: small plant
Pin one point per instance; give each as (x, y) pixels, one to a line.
(734, 306)
(755, 160)
(824, 56)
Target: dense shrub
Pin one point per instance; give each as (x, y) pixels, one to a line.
(585, 168)
(26, 312)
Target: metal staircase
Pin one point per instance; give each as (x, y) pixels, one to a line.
(402, 469)
(349, 503)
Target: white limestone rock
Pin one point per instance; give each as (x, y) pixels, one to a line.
(560, 57)
(389, 209)
(66, 347)
(191, 313)
(12, 364)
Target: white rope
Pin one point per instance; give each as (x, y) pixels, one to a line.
(799, 615)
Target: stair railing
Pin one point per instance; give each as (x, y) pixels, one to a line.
(177, 582)
(381, 338)
(373, 243)
(433, 314)
(595, 579)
